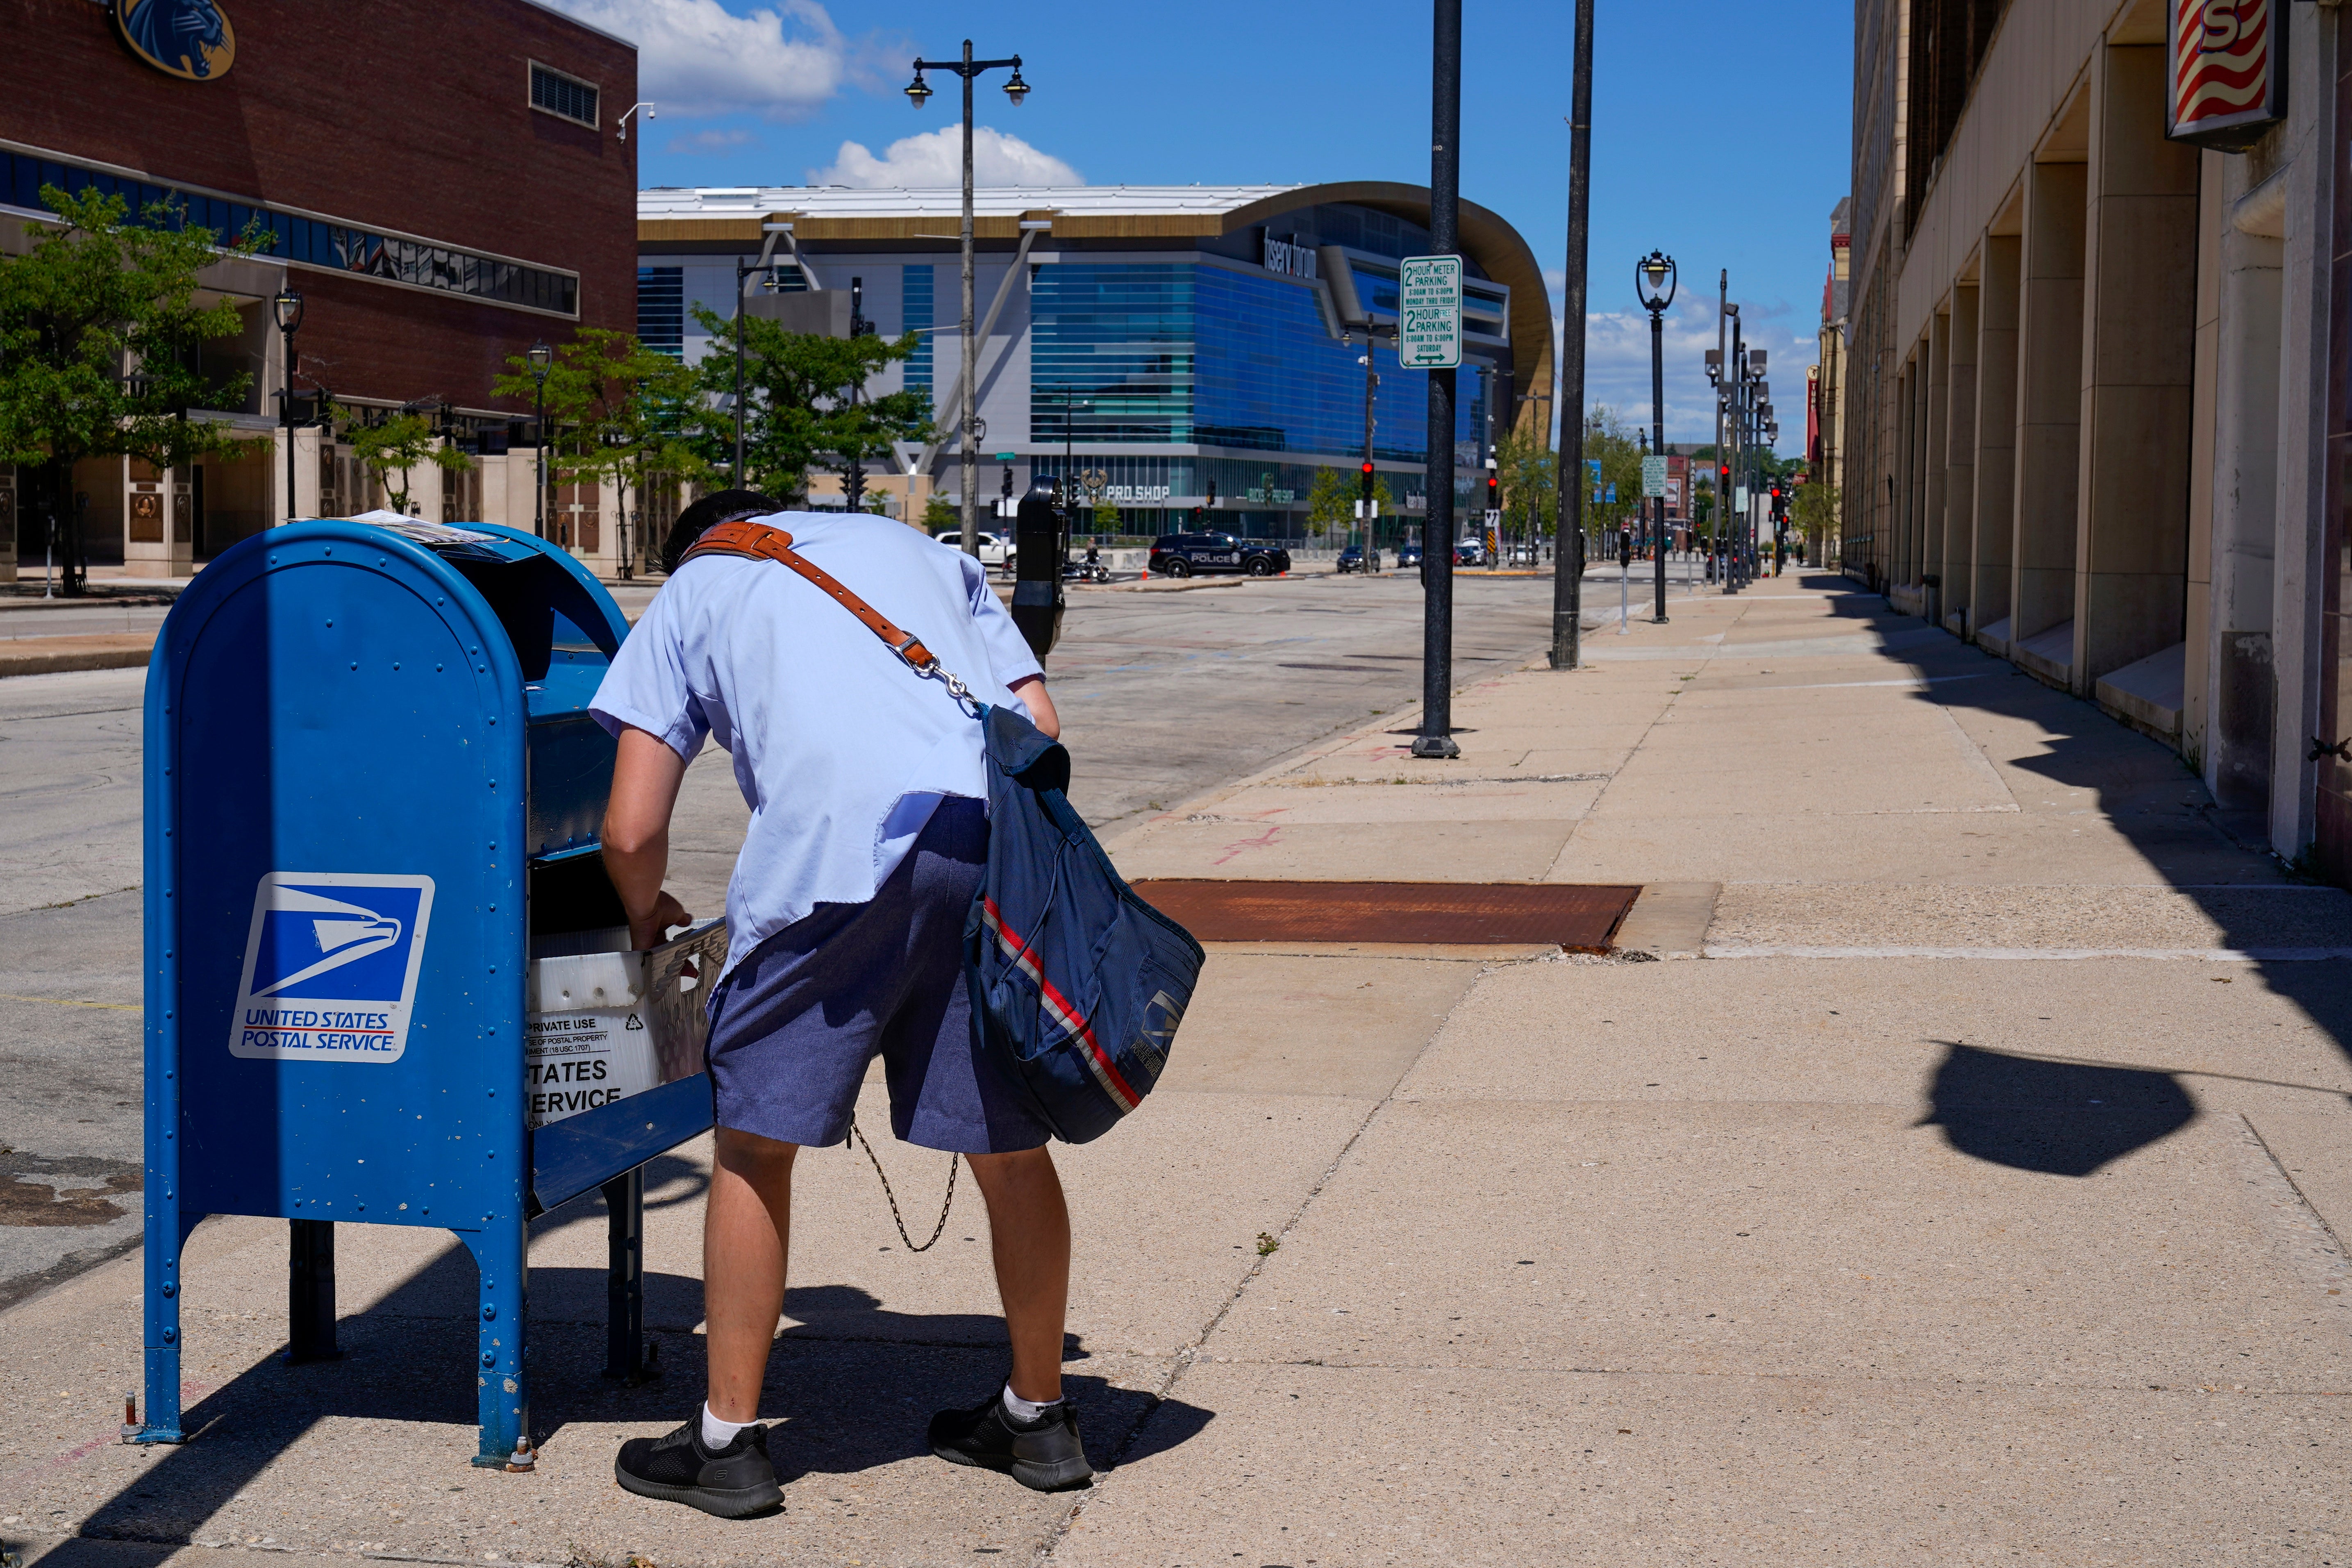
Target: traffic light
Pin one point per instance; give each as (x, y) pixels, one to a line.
(1493, 494)
(1212, 495)
(1368, 482)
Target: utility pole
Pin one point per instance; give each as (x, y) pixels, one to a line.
(1436, 737)
(1568, 532)
(853, 478)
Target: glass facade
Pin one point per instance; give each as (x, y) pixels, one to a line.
(289, 237)
(1192, 353)
(661, 310)
(915, 316)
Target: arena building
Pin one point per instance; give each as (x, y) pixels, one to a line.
(1191, 342)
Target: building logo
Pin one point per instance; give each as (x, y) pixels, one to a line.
(188, 38)
(2229, 72)
(1289, 258)
(330, 966)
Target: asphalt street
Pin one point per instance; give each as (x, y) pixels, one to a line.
(1164, 696)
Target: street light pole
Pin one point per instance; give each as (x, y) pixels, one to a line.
(853, 478)
(1436, 737)
(1568, 529)
(1657, 271)
(541, 357)
(287, 309)
(1016, 90)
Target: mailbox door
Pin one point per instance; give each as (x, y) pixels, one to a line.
(344, 727)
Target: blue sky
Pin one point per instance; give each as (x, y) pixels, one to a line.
(1720, 127)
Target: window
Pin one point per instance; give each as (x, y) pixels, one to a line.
(661, 310)
(914, 304)
(565, 96)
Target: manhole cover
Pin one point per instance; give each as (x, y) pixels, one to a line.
(1577, 919)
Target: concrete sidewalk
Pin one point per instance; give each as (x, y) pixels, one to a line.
(1811, 1249)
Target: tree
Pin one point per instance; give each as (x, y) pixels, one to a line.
(1331, 499)
(616, 410)
(1106, 516)
(391, 446)
(100, 338)
(1529, 475)
(1609, 441)
(1815, 509)
(799, 411)
(939, 515)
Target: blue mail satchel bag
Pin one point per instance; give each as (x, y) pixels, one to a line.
(1078, 985)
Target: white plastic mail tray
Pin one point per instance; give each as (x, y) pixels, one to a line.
(606, 1023)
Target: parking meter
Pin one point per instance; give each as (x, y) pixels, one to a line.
(373, 796)
(1038, 546)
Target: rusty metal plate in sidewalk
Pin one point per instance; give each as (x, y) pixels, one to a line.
(1577, 918)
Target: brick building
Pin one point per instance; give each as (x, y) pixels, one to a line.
(443, 185)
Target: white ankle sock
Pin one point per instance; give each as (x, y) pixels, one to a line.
(1022, 1410)
(718, 1434)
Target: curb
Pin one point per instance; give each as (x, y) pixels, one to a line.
(128, 654)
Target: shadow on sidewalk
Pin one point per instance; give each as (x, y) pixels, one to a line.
(850, 1388)
(1985, 1100)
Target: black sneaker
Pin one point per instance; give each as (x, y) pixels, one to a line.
(1046, 1458)
(733, 1482)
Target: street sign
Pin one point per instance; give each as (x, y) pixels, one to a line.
(1429, 324)
(1739, 497)
(1006, 456)
(1654, 478)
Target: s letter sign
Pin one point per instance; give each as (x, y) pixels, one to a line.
(2229, 72)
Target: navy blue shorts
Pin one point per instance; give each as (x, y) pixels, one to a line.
(795, 1025)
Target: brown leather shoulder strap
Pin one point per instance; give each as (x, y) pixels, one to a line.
(748, 537)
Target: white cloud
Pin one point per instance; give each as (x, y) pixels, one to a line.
(935, 158)
(1617, 368)
(697, 58)
(715, 143)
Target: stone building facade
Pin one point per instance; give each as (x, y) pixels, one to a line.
(2091, 393)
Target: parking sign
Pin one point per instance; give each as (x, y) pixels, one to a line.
(1429, 324)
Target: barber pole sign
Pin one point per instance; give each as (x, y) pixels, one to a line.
(2229, 72)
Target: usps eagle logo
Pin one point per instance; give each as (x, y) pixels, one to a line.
(186, 38)
(331, 967)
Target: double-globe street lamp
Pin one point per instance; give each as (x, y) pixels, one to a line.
(1654, 281)
(286, 310)
(918, 92)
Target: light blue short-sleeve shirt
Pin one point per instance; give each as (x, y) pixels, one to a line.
(840, 750)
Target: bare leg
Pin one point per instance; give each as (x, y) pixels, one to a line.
(1029, 1233)
(746, 1228)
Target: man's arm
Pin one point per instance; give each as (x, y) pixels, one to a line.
(1031, 690)
(646, 779)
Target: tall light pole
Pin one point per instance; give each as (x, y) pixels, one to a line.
(853, 478)
(920, 93)
(286, 310)
(1568, 531)
(1654, 281)
(1436, 737)
(541, 357)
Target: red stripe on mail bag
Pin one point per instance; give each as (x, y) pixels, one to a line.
(1059, 1006)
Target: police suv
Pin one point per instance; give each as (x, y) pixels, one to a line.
(1182, 554)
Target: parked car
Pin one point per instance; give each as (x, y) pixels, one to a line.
(1353, 559)
(1408, 555)
(994, 550)
(1470, 553)
(1182, 554)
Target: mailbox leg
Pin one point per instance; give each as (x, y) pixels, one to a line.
(162, 1369)
(310, 1292)
(625, 1281)
(501, 1367)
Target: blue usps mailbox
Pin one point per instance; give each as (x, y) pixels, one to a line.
(372, 783)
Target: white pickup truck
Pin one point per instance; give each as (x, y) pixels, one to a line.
(994, 551)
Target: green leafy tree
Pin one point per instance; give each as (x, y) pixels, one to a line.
(99, 329)
(1529, 475)
(616, 411)
(1106, 516)
(799, 411)
(391, 446)
(1610, 441)
(1814, 510)
(1331, 499)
